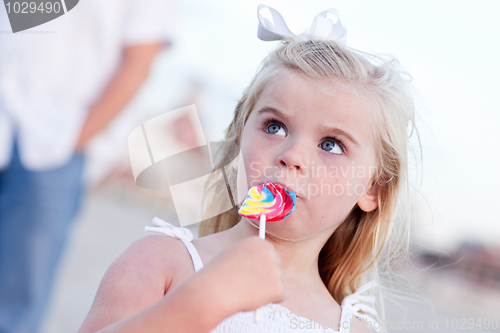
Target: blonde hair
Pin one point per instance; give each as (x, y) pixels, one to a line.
(364, 246)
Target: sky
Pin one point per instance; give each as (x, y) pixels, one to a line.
(451, 50)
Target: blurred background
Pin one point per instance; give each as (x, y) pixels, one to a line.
(450, 48)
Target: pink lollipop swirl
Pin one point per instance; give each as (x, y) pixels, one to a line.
(274, 202)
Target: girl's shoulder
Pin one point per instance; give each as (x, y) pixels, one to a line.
(138, 277)
(167, 258)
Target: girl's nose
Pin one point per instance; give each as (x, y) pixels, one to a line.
(292, 158)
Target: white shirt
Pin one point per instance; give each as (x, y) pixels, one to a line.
(51, 74)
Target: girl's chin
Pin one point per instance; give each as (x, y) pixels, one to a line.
(292, 224)
(292, 227)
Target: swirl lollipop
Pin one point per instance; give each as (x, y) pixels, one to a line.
(267, 201)
(270, 200)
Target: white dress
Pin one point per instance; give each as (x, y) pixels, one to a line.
(275, 318)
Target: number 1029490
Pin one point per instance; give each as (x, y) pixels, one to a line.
(471, 323)
(33, 7)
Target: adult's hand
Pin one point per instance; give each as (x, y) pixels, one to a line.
(131, 73)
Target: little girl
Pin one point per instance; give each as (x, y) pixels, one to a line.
(319, 119)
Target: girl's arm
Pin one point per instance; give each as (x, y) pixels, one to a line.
(131, 296)
(132, 71)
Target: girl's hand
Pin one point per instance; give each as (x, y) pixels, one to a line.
(245, 276)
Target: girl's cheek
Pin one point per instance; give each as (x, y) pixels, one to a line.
(254, 169)
(336, 188)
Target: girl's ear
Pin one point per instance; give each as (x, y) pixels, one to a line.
(369, 200)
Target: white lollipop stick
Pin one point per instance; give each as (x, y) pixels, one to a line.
(262, 227)
(262, 235)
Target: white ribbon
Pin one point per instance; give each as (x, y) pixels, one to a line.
(170, 230)
(322, 27)
(353, 303)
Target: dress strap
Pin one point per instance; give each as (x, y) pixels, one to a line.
(198, 264)
(184, 234)
(351, 304)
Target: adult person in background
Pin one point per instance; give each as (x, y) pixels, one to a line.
(60, 84)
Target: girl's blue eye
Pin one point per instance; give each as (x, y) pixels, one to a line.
(276, 129)
(331, 146)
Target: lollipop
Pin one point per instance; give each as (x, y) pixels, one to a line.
(270, 200)
(267, 202)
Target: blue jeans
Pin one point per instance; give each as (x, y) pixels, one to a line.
(36, 214)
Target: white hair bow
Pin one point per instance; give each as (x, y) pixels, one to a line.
(170, 230)
(322, 27)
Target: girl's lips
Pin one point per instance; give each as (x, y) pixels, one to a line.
(286, 187)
